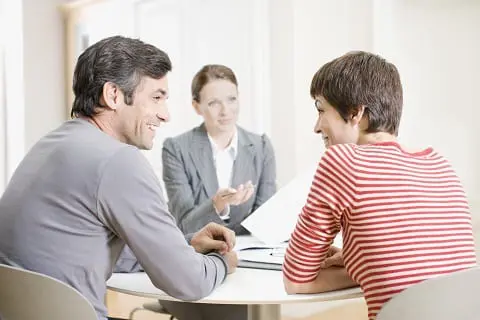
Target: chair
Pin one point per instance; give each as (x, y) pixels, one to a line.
(26, 295)
(452, 296)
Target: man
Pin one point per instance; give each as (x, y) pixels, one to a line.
(403, 213)
(85, 190)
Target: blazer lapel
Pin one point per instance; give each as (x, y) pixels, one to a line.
(202, 157)
(244, 161)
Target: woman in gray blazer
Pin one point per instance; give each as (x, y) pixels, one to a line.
(217, 171)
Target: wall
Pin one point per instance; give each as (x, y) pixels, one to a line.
(432, 42)
(44, 70)
(305, 34)
(13, 127)
(3, 153)
(34, 76)
(323, 30)
(283, 114)
(435, 46)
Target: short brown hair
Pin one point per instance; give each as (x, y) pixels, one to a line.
(208, 73)
(123, 61)
(362, 78)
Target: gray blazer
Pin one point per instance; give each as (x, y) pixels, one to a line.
(191, 180)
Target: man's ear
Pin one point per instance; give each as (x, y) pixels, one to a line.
(357, 117)
(111, 95)
(197, 108)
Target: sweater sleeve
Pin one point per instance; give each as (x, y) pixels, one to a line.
(130, 202)
(331, 193)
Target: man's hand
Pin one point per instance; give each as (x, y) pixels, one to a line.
(232, 261)
(231, 196)
(213, 237)
(334, 258)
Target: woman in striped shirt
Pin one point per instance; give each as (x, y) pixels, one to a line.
(403, 214)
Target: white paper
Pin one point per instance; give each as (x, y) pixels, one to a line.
(274, 221)
(262, 255)
(250, 242)
(250, 249)
(243, 242)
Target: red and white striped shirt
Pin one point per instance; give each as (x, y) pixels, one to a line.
(404, 218)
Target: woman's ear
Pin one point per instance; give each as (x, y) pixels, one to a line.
(357, 117)
(197, 107)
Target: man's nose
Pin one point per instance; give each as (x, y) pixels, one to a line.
(164, 114)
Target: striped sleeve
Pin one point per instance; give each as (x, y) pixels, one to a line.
(331, 193)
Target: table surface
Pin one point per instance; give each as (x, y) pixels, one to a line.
(245, 286)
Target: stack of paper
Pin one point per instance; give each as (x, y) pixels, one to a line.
(262, 257)
(253, 253)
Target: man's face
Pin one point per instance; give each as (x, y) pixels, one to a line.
(138, 122)
(332, 126)
(218, 106)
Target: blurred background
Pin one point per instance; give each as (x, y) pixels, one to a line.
(273, 46)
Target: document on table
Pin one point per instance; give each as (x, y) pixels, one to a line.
(253, 254)
(270, 255)
(251, 249)
(274, 221)
(272, 224)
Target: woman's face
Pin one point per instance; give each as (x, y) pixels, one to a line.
(333, 128)
(218, 106)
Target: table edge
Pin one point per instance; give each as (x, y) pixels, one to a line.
(319, 298)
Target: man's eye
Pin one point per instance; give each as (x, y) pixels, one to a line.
(157, 98)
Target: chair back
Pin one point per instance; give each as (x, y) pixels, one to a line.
(452, 296)
(27, 295)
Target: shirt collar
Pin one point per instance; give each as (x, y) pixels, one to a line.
(232, 148)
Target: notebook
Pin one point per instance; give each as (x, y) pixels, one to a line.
(262, 257)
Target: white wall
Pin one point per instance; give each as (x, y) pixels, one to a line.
(44, 70)
(305, 34)
(435, 45)
(283, 112)
(13, 106)
(3, 153)
(323, 30)
(33, 94)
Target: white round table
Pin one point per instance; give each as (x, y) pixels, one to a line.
(261, 290)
